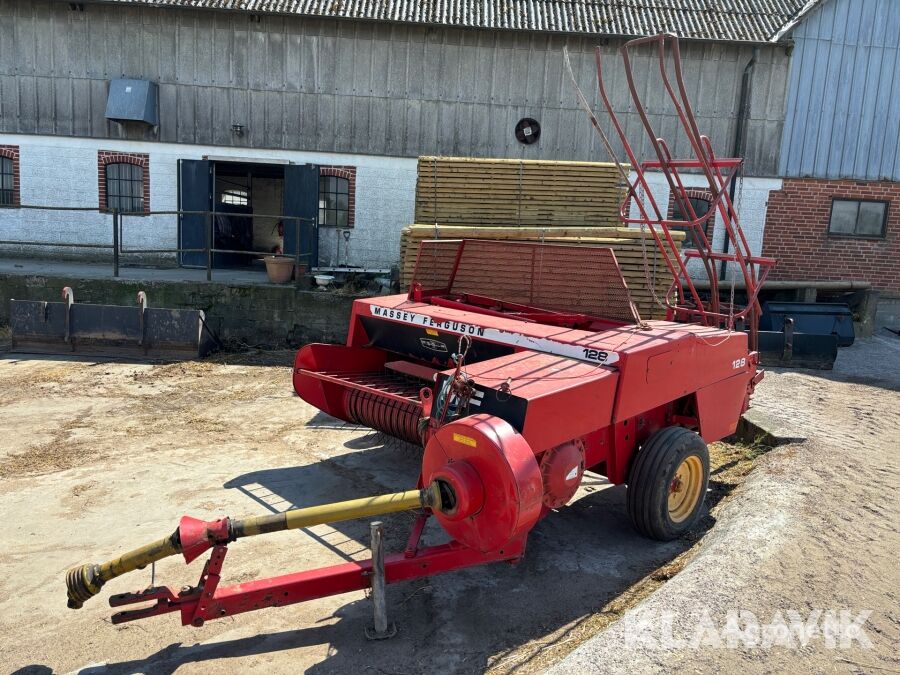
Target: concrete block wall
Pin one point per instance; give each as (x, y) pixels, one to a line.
(59, 171)
(267, 195)
(256, 315)
(796, 233)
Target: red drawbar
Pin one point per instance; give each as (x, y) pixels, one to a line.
(196, 607)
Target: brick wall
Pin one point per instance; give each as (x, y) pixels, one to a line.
(796, 234)
(12, 152)
(140, 159)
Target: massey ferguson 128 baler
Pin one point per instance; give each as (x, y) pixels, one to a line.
(516, 367)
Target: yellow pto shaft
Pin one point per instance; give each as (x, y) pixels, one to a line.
(85, 581)
(329, 513)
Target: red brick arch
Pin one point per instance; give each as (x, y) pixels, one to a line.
(348, 172)
(12, 152)
(105, 157)
(695, 193)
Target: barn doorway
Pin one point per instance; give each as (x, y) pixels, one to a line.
(249, 205)
(252, 204)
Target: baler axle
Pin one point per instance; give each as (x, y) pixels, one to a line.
(193, 537)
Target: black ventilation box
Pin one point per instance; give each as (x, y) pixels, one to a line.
(133, 101)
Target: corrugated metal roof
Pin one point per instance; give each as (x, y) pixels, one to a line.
(719, 20)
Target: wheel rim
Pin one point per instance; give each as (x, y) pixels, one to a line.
(684, 488)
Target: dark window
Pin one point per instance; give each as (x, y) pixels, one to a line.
(125, 187)
(701, 208)
(334, 201)
(857, 218)
(7, 193)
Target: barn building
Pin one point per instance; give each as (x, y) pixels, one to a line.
(302, 108)
(837, 215)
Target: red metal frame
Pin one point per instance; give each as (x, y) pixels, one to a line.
(207, 600)
(538, 297)
(683, 301)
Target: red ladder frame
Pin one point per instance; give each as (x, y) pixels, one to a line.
(683, 301)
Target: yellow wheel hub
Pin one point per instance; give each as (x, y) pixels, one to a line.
(684, 490)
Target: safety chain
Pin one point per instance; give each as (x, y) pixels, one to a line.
(460, 387)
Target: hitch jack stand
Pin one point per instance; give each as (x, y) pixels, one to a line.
(381, 630)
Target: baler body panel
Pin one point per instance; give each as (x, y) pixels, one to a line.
(549, 399)
(551, 383)
(677, 361)
(719, 407)
(593, 346)
(657, 363)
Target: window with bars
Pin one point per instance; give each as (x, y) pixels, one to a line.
(125, 187)
(7, 184)
(334, 201)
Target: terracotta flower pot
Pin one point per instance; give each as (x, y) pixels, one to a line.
(278, 269)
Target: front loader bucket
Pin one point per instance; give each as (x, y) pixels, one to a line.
(815, 318)
(788, 349)
(138, 332)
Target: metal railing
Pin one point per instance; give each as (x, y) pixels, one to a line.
(209, 249)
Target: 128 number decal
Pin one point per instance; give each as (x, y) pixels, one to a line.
(596, 355)
(739, 363)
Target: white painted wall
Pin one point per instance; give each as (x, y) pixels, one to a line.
(59, 171)
(267, 196)
(751, 200)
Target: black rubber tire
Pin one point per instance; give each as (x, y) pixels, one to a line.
(652, 472)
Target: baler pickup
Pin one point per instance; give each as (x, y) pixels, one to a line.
(362, 386)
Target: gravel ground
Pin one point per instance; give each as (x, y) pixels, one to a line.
(816, 526)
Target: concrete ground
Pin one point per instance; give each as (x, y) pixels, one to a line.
(816, 526)
(85, 270)
(255, 273)
(99, 458)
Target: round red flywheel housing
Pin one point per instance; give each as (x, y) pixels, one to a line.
(493, 483)
(562, 468)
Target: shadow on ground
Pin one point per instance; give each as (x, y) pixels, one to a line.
(578, 559)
